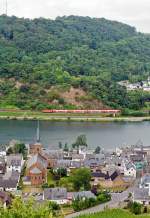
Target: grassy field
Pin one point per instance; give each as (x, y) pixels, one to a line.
(115, 213)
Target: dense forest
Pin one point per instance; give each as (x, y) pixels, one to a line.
(40, 59)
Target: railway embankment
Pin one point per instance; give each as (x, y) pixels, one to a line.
(69, 117)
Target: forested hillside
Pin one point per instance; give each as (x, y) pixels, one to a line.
(44, 62)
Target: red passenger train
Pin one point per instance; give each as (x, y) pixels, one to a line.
(110, 111)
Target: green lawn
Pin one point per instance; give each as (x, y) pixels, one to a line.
(115, 213)
(50, 179)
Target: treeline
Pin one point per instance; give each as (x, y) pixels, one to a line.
(92, 54)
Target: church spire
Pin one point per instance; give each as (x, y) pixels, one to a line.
(38, 132)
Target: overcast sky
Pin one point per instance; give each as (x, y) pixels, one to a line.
(133, 12)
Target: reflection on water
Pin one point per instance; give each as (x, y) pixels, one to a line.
(107, 135)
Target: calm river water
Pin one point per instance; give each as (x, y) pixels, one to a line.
(107, 135)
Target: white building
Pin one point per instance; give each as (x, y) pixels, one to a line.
(9, 181)
(129, 169)
(141, 196)
(57, 195)
(145, 182)
(14, 163)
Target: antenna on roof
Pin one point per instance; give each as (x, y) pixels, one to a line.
(38, 132)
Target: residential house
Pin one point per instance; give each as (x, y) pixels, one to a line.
(77, 157)
(118, 151)
(63, 163)
(109, 180)
(3, 151)
(139, 156)
(76, 164)
(94, 162)
(52, 156)
(58, 195)
(145, 181)
(36, 169)
(80, 195)
(9, 181)
(129, 169)
(2, 165)
(142, 196)
(14, 162)
(147, 165)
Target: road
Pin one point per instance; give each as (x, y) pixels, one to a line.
(116, 199)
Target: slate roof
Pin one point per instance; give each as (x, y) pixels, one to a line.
(83, 194)
(12, 175)
(2, 167)
(76, 164)
(145, 179)
(107, 175)
(14, 160)
(137, 157)
(92, 162)
(8, 183)
(54, 154)
(98, 175)
(129, 165)
(114, 176)
(63, 163)
(37, 159)
(10, 180)
(55, 193)
(141, 194)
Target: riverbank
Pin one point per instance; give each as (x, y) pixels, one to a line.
(21, 115)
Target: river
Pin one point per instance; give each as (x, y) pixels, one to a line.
(108, 135)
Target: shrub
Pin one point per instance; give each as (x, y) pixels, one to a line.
(135, 208)
(83, 203)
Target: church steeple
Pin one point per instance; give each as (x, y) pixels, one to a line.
(38, 132)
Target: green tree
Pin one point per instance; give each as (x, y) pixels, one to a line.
(97, 150)
(60, 145)
(81, 179)
(66, 148)
(136, 208)
(27, 209)
(80, 141)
